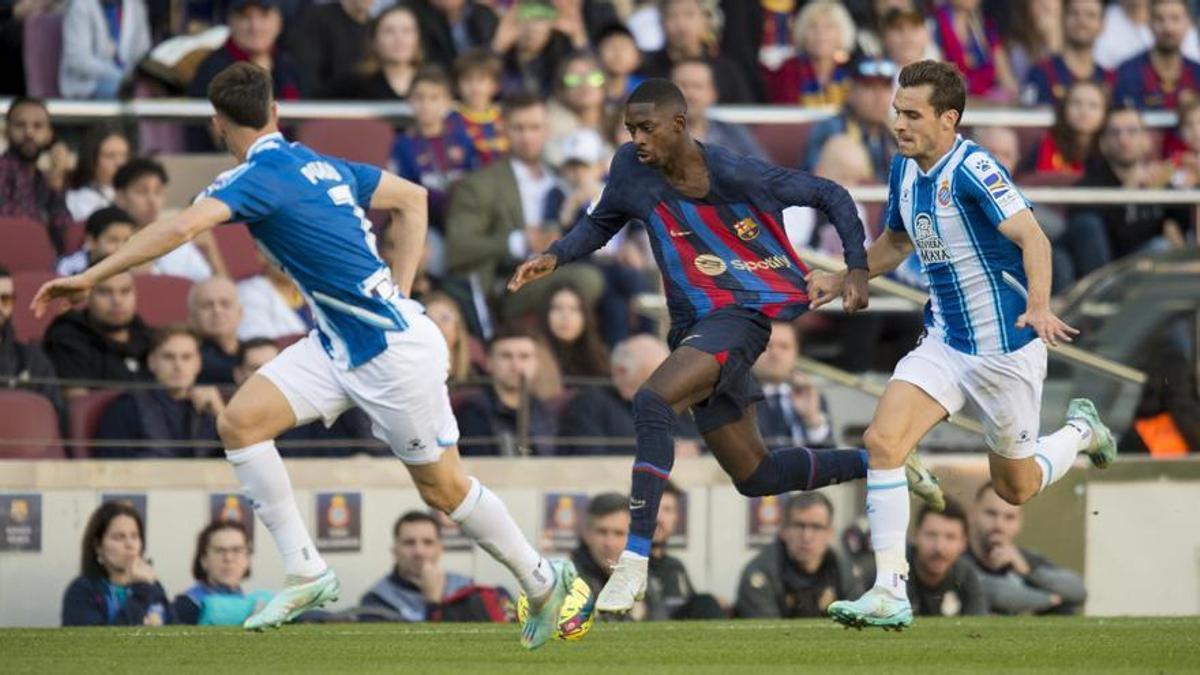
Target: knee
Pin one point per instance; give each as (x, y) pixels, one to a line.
(764, 481)
(234, 428)
(650, 408)
(884, 445)
(1015, 492)
(444, 496)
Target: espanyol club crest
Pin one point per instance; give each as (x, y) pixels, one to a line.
(746, 229)
(943, 195)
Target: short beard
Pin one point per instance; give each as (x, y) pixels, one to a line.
(17, 149)
(1167, 51)
(108, 328)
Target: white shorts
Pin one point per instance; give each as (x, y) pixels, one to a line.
(1005, 389)
(402, 390)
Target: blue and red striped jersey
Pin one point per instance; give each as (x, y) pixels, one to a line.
(1139, 85)
(1048, 80)
(728, 248)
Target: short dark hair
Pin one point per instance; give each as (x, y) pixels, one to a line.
(1120, 109)
(606, 504)
(432, 74)
(242, 93)
(806, 500)
(520, 101)
(24, 100)
(202, 545)
(162, 335)
(416, 517)
(478, 60)
(949, 87)
(99, 222)
(902, 18)
(136, 169)
(660, 92)
(512, 331)
(245, 346)
(692, 61)
(4, 273)
(93, 534)
(953, 511)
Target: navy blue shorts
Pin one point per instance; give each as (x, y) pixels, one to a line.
(736, 337)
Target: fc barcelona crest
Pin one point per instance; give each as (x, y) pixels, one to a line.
(746, 229)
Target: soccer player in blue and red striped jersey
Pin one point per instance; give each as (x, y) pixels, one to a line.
(715, 226)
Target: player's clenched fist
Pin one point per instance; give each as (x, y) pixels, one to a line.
(534, 268)
(850, 285)
(854, 290)
(73, 289)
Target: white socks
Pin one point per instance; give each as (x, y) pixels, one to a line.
(266, 484)
(1056, 452)
(887, 513)
(486, 520)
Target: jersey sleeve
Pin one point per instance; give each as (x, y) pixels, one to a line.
(989, 185)
(796, 188)
(250, 192)
(892, 219)
(366, 179)
(603, 220)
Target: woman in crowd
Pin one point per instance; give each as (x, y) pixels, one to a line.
(116, 586)
(220, 564)
(448, 316)
(394, 56)
(1066, 147)
(1035, 32)
(620, 60)
(691, 28)
(816, 75)
(571, 336)
(971, 41)
(104, 150)
(579, 102)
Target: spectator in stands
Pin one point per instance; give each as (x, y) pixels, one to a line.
(695, 79)
(758, 37)
(1097, 235)
(104, 341)
(25, 191)
(691, 33)
(141, 190)
(352, 425)
(620, 60)
(104, 150)
(392, 60)
(417, 582)
(1003, 144)
(433, 152)
(448, 316)
(106, 230)
(1049, 78)
(907, 38)
(1166, 421)
(116, 585)
(12, 41)
(799, 574)
(607, 412)
(493, 412)
(583, 162)
(669, 590)
(497, 216)
(603, 538)
(477, 75)
(1070, 144)
(1185, 155)
(1033, 33)
(866, 116)
(254, 28)
(1160, 77)
(942, 581)
(220, 564)
(870, 19)
(332, 38)
(568, 327)
(179, 411)
(793, 411)
(451, 27)
(1016, 580)
(1127, 33)
(21, 362)
(970, 40)
(103, 41)
(532, 46)
(824, 38)
(578, 103)
(215, 312)
(272, 305)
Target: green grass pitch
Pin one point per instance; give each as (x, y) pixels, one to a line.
(984, 645)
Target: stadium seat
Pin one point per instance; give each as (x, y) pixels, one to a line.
(192, 172)
(86, 412)
(28, 427)
(367, 141)
(785, 143)
(239, 251)
(157, 137)
(25, 285)
(27, 246)
(73, 237)
(162, 299)
(42, 52)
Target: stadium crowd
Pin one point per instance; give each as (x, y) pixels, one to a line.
(963, 563)
(516, 110)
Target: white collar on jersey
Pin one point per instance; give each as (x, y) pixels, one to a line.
(936, 168)
(263, 142)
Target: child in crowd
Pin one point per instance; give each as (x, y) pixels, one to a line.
(477, 75)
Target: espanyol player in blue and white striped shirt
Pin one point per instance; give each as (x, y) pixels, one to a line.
(986, 325)
(373, 347)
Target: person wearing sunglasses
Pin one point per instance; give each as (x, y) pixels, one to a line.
(579, 102)
(23, 364)
(865, 115)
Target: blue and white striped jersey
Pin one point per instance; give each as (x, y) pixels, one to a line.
(305, 210)
(976, 275)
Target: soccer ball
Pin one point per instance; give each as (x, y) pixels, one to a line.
(577, 615)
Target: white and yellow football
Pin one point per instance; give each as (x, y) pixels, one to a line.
(577, 615)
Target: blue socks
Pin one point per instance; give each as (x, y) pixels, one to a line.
(803, 469)
(654, 422)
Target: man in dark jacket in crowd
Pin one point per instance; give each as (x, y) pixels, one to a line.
(20, 363)
(943, 582)
(669, 590)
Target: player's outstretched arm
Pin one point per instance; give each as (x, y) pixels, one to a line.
(1023, 230)
(884, 255)
(147, 244)
(408, 204)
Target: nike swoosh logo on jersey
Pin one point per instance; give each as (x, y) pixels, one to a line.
(679, 233)
(636, 503)
(690, 337)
